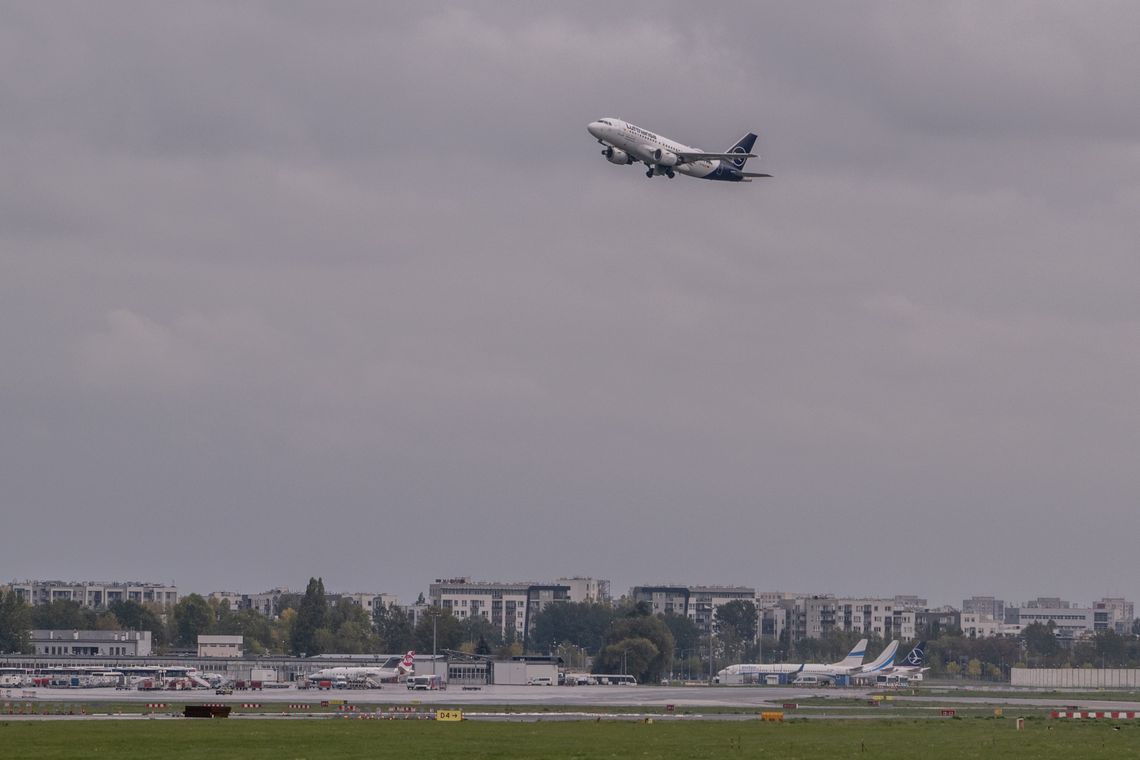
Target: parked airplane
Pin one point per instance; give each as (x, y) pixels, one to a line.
(392, 670)
(884, 661)
(626, 143)
(911, 669)
(789, 672)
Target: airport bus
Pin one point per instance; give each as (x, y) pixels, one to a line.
(606, 679)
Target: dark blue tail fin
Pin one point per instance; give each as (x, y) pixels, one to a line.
(916, 656)
(743, 145)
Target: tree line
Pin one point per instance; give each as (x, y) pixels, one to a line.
(623, 638)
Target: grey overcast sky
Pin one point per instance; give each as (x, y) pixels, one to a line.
(346, 289)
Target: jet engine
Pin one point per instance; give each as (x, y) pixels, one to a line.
(665, 157)
(617, 156)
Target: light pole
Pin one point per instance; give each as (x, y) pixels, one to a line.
(710, 656)
(434, 620)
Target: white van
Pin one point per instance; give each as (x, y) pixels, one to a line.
(809, 680)
(540, 681)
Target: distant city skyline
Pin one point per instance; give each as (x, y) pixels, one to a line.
(616, 592)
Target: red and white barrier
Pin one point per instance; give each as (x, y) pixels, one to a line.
(1094, 715)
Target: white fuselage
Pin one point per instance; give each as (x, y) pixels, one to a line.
(641, 144)
(785, 668)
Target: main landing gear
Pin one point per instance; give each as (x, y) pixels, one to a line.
(649, 172)
(668, 172)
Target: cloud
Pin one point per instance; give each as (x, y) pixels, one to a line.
(344, 270)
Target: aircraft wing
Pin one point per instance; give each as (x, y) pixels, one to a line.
(701, 156)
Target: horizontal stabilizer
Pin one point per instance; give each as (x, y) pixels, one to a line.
(699, 156)
(754, 174)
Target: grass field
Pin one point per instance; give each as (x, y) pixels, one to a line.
(344, 739)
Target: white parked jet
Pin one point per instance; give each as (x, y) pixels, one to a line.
(788, 671)
(911, 669)
(392, 670)
(627, 143)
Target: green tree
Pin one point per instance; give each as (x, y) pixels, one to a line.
(287, 601)
(133, 616)
(193, 617)
(106, 621)
(583, 624)
(1040, 641)
(1082, 653)
(255, 629)
(1110, 649)
(448, 630)
(351, 628)
(508, 650)
(136, 617)
(15, 623)
(740, 616)
(394, 627)
(686, 635)
(223, 615)
(478, 628)
(311, 617)
(633, 656)
(623, 639)
(281, 631)
(62, 614)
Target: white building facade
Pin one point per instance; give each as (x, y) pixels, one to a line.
(220, 646)
(698, 603)
(91, 643)
(94, 594)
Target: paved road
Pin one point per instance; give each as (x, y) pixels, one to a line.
(606, 696)
(750, 698)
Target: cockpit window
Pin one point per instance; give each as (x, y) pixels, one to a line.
(603, 121)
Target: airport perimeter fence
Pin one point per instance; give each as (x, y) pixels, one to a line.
(1076, 678)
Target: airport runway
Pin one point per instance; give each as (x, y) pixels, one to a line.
(522, 696)
(655, 697)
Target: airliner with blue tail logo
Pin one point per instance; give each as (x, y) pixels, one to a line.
(627, 143)
(910, 669)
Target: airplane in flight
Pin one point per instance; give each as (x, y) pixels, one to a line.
(392, 670)
(789, 672)
(627, 143)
